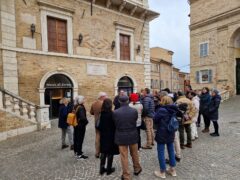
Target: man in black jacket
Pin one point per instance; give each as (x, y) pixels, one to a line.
(126, 136)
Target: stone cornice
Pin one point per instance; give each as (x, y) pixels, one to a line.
(47, 4)
(136, 10)
(215, 18)
(73, 56)
(191, 1)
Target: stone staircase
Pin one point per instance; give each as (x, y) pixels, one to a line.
(19, 116)
(11, 125)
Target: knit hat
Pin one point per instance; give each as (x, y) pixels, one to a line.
(215, 91)
(134, 97)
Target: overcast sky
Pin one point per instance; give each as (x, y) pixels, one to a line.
(170, 30)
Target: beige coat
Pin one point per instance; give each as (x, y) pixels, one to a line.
(96, 109)
(191, 110)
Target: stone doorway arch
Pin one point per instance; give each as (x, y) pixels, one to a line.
(234, 55)
(126, 83)
(42, 85)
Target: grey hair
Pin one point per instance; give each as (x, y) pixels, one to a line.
(163, 93)
(81, 99)
(102, 94)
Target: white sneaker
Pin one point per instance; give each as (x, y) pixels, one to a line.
(160, 174)
(172, 172)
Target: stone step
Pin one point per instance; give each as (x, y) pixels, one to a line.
(10, 122)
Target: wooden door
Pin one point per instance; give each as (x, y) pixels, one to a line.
(57, 35)
(238, 75)
(124, 47)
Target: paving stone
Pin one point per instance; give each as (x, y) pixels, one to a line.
(38, 155)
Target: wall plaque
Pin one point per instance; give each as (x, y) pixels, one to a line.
(97, 69)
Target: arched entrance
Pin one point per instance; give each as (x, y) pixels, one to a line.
(56, 87)
(235, 54)
(126, 84)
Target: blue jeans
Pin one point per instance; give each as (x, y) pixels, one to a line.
(161, 156)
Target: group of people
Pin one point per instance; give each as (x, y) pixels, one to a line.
(164, 116)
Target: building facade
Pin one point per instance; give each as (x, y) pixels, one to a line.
(215, 44)
(161, 69)
(55, 48)
(175, 80)
(184, 80)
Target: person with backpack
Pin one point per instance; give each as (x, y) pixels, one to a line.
(80, 129)
(167, 124)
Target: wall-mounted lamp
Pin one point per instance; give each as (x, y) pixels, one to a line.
(80, 39)
(138, 49)
(113, 45)
(33, 29)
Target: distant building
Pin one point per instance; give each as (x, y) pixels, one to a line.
(175, 80)
(215, 44)
(161, 68)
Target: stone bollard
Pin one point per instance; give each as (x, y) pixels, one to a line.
(43, 117)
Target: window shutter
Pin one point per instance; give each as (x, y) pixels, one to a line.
(210, 76)
(197, 76)
(52, 34)
(124, 47)
(57, 35)
(62, 36)
(201, 50)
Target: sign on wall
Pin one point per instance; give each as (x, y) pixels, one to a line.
(97, 69)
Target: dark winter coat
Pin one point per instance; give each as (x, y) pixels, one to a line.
(213, 107)
(63, 113)
(125, 119)
(116, 102)
(161, 120)
(148, 106)
(107, 133)
(204, 103)
(81, 116)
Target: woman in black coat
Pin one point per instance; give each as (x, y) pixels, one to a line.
(213, 111)
(80, 129)
(205, 99)
(107, 133)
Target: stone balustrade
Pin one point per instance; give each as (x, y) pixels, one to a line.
(225, 95)
(24, 109)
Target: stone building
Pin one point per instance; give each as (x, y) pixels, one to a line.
(161, 68)
(215, 44)
(56, 48)
(184, 80)
(175, 80)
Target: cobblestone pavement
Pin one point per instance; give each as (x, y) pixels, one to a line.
(38, 155)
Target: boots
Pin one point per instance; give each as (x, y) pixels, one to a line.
(102, 164)
(110, 170)
(206, 130)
